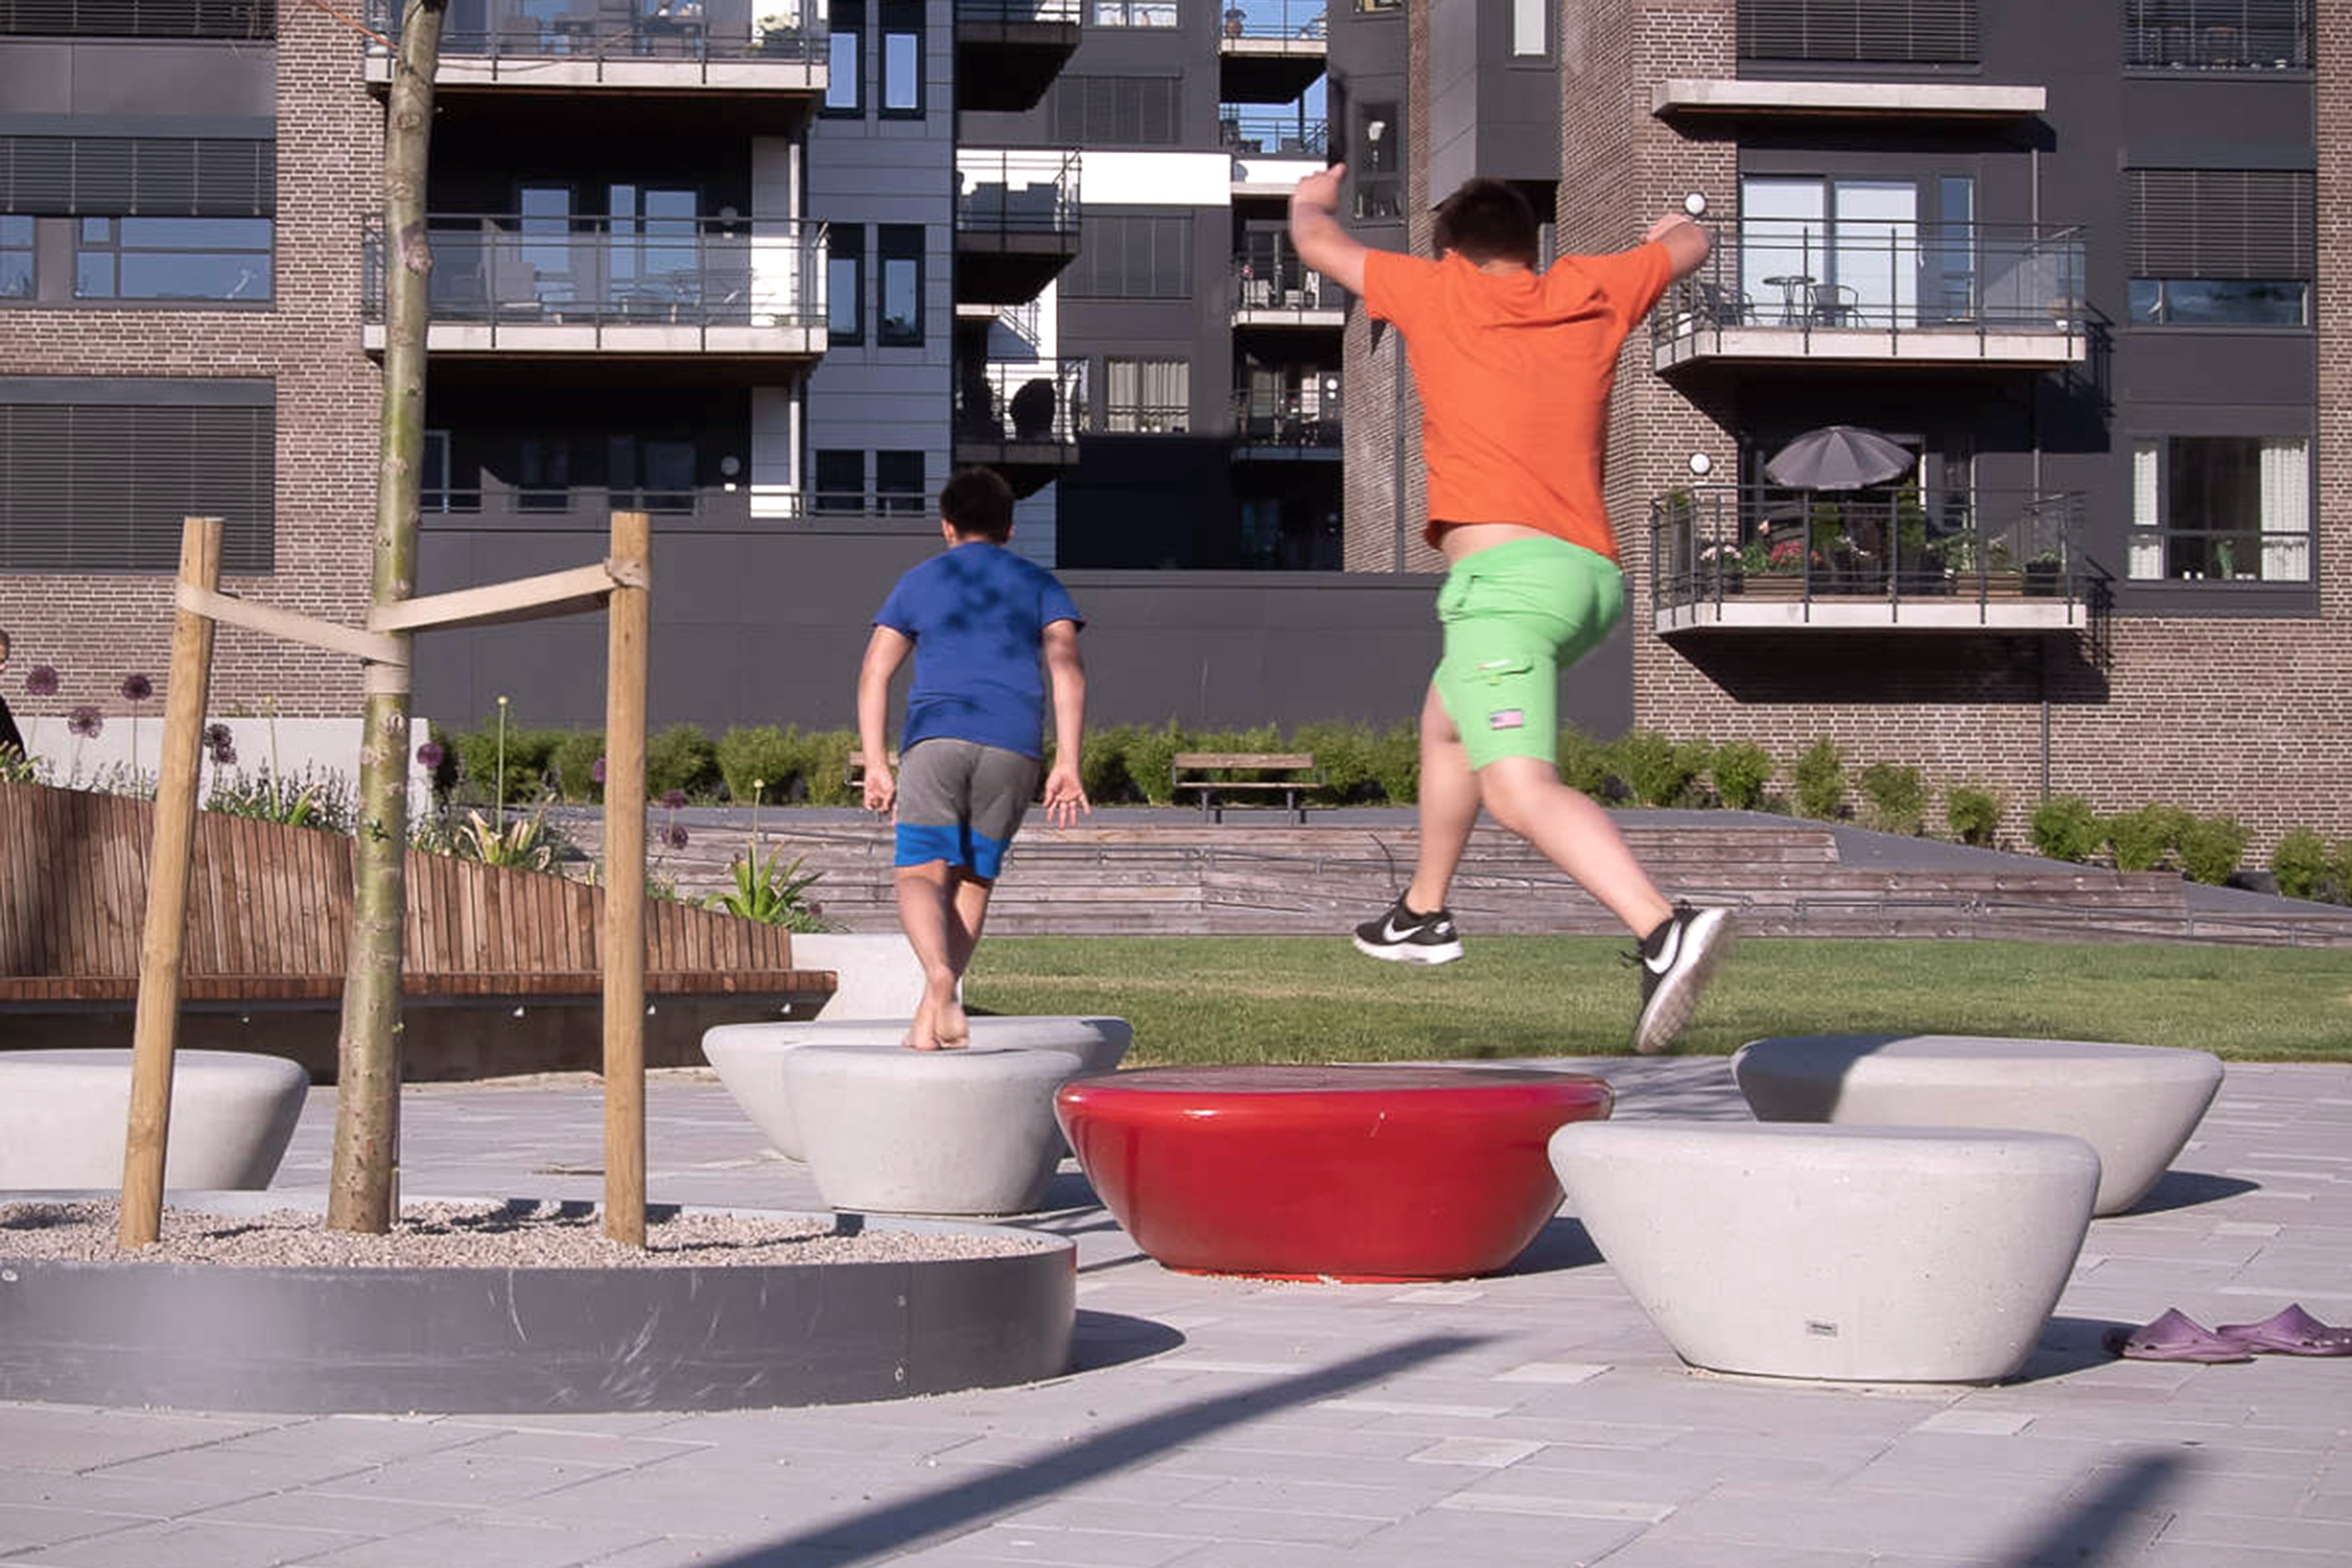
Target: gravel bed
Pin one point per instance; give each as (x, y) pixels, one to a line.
(473, 1236)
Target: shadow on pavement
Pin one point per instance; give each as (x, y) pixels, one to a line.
(2186, 1189)
(2113, 1524)
(887, 1529)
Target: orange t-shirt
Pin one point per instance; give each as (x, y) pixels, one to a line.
(1514, 374)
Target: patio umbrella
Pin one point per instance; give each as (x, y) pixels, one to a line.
(1838, 457)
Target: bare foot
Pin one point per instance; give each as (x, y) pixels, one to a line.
(950, 1030)
(955, 1030)
(922, 1033)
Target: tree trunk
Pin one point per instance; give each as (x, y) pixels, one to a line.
(362, 1193)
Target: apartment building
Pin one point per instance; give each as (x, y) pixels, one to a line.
(2077, 264)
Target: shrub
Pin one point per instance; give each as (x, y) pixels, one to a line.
(529, 753)
(681, 757)
(2211, 848)
(2066, 828)
(1395, 762)
(2300, 862)
(1821, 781)
(1741, 770)
(1151, 757)
(1583, 762)
(574, 765)
(1660, 771)
(1103, 766)
(1342, 749)
(2137, 839)
(763, 755)
(1899, 801)
(1973, 812)
(825, 758)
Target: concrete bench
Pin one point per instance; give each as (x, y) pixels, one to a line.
(749, 1057)
(1869, 1254)
(2135, 1105)
(1204, 773)
(64, 1116)
(886, 1130)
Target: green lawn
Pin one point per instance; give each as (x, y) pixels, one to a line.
(1278, 999)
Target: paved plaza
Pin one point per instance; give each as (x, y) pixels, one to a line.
(1532, 1418)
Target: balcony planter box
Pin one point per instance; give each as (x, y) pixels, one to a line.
(2041, 579)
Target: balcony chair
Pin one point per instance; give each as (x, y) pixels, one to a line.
(1834, 304)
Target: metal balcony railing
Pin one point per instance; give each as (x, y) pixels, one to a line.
(1017, 192)
(1269, 280)
(790, 31)
(512, 506)
(1022, 401)
(517, 271)
(1062, 13)
(1711, 542)
(1892, 279)
(1290, 422)
(1274, 19)
(1277, 135)
(2218, 35)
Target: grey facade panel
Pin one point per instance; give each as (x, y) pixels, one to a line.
(139, 82)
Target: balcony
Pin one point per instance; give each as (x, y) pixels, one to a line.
(1290, 430)
(1273, 288)
(1728, 559)
(1022, 417)
(1269, 51)
(1008, 52)
(1016, 223)
(650, 287)
(1784, 292)
(639, 46)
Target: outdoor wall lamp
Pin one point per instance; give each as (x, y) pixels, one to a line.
(1701, 465)
(1695, 204)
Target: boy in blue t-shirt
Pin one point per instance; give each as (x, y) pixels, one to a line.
(977, 619)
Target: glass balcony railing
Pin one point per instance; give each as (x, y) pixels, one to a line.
(513, 271)
(1288, 20)
(1299, 421)
(789, 31)
(1059, 12)
(1017, 192)
(1007, 400)
(1719, 543)
(1271, 284)
(1271, 136)
(1891, 278)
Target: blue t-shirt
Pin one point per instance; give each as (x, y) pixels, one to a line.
(977, 616)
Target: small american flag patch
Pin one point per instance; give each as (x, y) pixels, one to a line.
(1506, 719)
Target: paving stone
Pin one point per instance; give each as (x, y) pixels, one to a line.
(194, 1544)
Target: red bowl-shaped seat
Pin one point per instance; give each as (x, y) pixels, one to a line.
(1376, 1172)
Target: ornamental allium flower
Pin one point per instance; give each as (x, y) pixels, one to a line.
(42, 680)
(137, 687)
(595, 770)
(674, 798)
(225, 757)
(429, 756)
(85, 722)
(675, 836)
(220, 743)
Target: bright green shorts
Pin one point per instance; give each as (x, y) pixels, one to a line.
(1515, 616)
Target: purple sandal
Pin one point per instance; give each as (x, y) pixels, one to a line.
(2289, 1332)
(2175, 1337)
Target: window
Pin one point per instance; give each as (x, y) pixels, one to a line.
(147, 18)
(902, 57)
(1135, 13)
(543, 474)
(845, 283)
(433, 492)
(1130, 256)
(2222, 247)
(1151, 396)
(1108, 111)
(899, 482)
(1900, 32)
(845, 59)
(1527, 28)
(219, 259)
(648, 474)
(898, 246)
(16, 257)
(840, 481)
(1379, 7)
(656, 259)
(1378, 180)
(2221, 508)
(1881, 253)
(2218, 35)
(95, 486)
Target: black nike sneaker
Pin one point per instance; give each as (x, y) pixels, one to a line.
(1401, 936)
(1677, 961)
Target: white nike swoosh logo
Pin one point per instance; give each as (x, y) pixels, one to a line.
(1390, 933)
(1665, 960)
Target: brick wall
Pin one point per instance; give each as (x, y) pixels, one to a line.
(2247, 717)
(95, 628)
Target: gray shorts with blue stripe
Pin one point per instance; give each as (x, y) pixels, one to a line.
(960, 802)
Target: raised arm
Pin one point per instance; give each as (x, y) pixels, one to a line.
(1316, 234)
(1685, 242)
(884, 652)
(1065, 795)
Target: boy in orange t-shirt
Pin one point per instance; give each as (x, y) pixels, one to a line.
(1514, 368)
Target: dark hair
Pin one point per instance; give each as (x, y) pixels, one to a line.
(1487, 220)
(978, 504)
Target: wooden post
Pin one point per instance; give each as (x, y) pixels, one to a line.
(170, 863)
(625, 881)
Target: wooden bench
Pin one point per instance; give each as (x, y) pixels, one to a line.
(1201, 772)
(853, 771)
